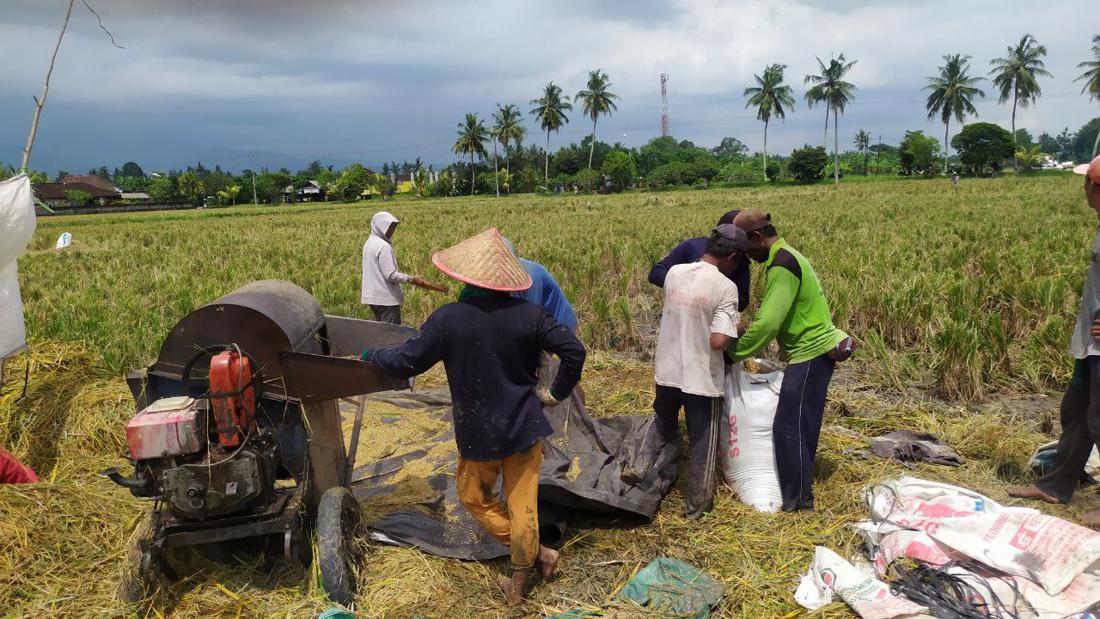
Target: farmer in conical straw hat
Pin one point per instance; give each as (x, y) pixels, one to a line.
(490, 342)
(1080, 409)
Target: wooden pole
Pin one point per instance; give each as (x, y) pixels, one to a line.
(40, 103)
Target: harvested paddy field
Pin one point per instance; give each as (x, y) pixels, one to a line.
(964, 299)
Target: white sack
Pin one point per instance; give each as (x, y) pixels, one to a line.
(64, 241)
(16, 228)
(867, 595)
(1081, 594)
(1019, 541)
(748, 460)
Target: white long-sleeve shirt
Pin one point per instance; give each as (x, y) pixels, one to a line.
(381, 278)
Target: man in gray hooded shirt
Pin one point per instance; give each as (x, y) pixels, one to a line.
(381, 278)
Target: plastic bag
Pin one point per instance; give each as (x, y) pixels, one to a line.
(871, 598)
(64, 241)
(16, 228)
(748, 460)
(671, 587)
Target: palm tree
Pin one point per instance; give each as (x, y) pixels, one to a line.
(508, 129)
(831, 89)
(953, 91)
(596, 100)
(769, 96)
(550, 111)
(863, 142)
(1015, 75)
(1091, 77)
(471, 141)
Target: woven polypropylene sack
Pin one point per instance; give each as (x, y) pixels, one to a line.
(16, 228)
(748, 458)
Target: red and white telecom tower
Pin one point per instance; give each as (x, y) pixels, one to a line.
(664, 105)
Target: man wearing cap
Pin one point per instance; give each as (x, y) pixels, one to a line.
(490, 343)
(381, 278)
(691, 250)
(698, 321)
(795, 313)
(1080, 408)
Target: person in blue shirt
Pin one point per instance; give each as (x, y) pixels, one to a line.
(545, 291)
(692, 250)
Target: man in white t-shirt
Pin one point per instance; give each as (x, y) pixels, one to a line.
(381, 278)
(700, 319)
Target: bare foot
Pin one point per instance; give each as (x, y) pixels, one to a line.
(548, 560)
(1091, 519)
(1031, 492)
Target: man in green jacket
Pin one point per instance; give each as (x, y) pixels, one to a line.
(795, 313)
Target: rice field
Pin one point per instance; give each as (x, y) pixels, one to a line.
(964, 300)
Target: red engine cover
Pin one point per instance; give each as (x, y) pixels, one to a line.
(234, 412)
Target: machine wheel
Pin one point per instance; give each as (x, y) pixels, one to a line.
(145, 572)
(338, 544)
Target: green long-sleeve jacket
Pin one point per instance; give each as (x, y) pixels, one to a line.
(794, 311)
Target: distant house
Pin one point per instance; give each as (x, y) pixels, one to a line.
(59, 194)
(312, 192)
(135, 196)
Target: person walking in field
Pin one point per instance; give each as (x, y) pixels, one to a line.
(691, 250)
(698, 322)
(490, 343)
(1080, 408)
(795, 313)
(381, 278)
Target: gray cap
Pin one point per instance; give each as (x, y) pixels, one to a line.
(730, 236)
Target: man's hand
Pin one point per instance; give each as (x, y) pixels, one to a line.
(741, 328)
(367, 354)
(544, 396)
(843, 351)
(1094, 331)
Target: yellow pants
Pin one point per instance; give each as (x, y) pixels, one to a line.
(516, 526)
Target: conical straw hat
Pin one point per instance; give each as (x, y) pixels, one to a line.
(484, 261)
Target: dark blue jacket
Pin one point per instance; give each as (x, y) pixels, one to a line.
(692, 250)
(490, 348)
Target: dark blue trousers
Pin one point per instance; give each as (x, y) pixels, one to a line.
(797, 426)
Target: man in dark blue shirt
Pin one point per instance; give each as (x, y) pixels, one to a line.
(490, 343)
(691, 250)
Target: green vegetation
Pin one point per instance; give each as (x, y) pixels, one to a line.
(953, 93)
(1016, 76)
(983, 146)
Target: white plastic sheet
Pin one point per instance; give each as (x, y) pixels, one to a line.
(16, 228)
(748, 460)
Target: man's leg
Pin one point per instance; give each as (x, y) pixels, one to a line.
(387, 313)
(475, 481)
(521, 491)
(664, 429)
(703, 416)
(1074, 444)
(797, 426)
(813, 410)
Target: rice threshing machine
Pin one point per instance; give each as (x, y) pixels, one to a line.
(238, 438)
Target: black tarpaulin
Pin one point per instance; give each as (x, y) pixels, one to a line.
(580, 474)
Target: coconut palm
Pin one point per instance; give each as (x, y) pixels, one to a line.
(507, 128)
(471, 141)
(550, 111)
(1091, 77)
(863, 142)
(771, 97)
(953, 91)
(1016, 75)
(596, 100)
(830, 88)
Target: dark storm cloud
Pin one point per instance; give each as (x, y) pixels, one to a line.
(344, 80)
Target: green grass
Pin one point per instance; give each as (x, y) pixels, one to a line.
(974, 289)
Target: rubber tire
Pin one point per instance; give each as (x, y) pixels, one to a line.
(145, 572)
(338, 547)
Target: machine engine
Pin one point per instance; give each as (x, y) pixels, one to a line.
(205, 457)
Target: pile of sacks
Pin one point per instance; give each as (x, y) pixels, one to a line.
(1013, 561)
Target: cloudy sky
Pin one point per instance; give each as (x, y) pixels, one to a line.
(344, 80)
